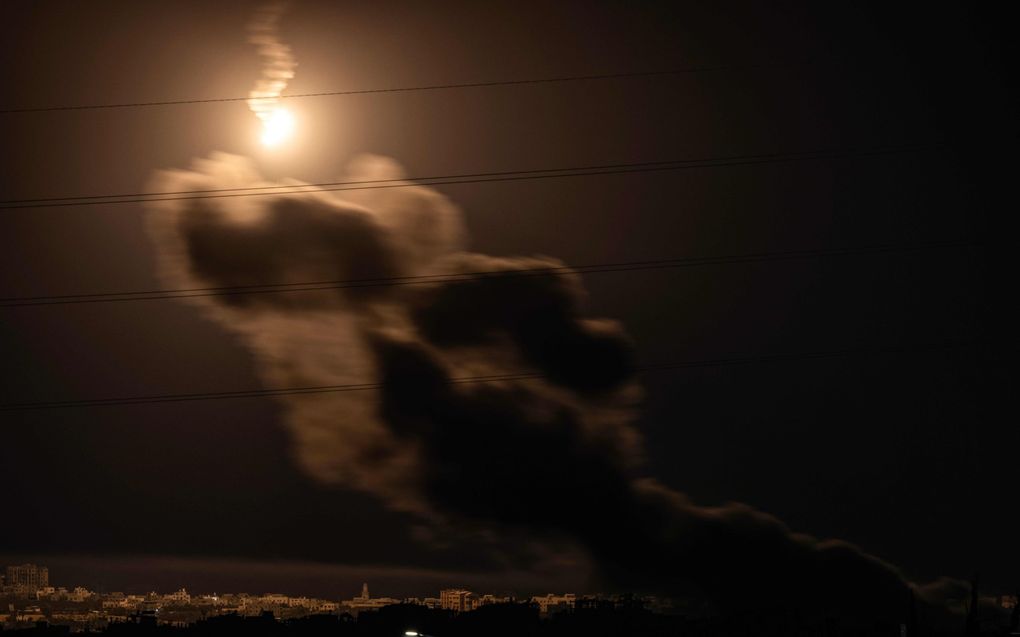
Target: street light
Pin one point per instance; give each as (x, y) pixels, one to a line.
(415, 633)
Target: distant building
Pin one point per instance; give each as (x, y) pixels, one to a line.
(1008, 601)
(554, 603)
(180, 597)
(327, 607)
(274, 599)
(27, 578)
(367, 602)
(457, 599)
(485, 600)
(30, 614)
(147, 612)
(592, 604)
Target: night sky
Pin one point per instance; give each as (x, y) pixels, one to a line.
(904, 444)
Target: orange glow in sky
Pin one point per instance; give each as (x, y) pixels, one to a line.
(277, 126)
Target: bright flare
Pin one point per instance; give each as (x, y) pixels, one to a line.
(277, 126)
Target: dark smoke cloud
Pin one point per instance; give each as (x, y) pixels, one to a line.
(293, 239)
(536, 315)
(553, 455)
(522, 459)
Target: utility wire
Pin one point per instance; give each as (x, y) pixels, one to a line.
(312, 187)
(465, 178)
(405, 89)
(594, 268)
(327, 389)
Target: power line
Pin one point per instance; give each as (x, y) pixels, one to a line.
(594, 268)
(466, 178)
(407, 89)
(326, 389)
(312, 187)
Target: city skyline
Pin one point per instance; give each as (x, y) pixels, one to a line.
(143, 574)
(31, 601)
(31, 598)
(32, 580)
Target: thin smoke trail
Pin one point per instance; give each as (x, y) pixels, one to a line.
(278, 61)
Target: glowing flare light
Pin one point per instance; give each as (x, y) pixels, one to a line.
(277, 126)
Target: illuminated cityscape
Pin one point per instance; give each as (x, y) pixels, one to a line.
(30, 600)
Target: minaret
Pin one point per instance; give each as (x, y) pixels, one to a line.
(364, 591)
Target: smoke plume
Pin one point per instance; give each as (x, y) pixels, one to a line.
(553, 454)
(277, 61)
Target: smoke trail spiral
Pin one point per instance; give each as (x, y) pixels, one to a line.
(277, 69)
